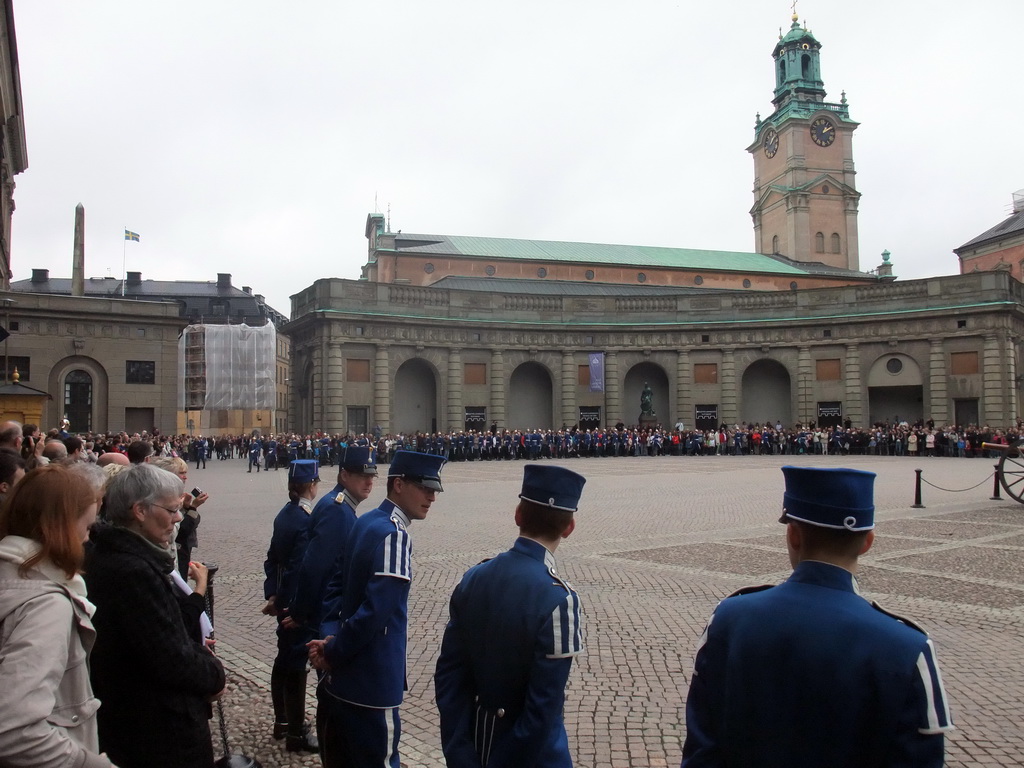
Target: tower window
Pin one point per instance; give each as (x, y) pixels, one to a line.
(836, 243)
(782, 71)
(819, 242)
(805, 66)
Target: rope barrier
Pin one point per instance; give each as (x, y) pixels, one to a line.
(957, 490)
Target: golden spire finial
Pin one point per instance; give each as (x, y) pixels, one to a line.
(795, 17)
(15, 377)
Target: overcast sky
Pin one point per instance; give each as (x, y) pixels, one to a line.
(253, 137)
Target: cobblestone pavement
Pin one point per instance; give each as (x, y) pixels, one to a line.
(658, 542)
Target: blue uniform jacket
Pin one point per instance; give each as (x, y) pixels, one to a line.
(329, 526)
(285, 552)
(367, 653)
(513, 631)
(809, 673)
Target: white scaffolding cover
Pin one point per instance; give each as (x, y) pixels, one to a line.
(234, 366)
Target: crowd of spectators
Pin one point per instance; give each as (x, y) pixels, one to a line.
(902, 439)
(105, 656)
(923, 438)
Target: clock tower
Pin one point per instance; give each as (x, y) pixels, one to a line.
(805, 199)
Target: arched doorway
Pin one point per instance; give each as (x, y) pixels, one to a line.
(632, 387)
(766, 394)
(415, 403)
(895, 390)
(529, 397)
(78, 400)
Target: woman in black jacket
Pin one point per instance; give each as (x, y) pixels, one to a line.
(155, 680)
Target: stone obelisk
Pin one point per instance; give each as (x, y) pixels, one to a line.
(78, 258)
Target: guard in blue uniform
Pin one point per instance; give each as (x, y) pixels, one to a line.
(514, 629)
(288, 675)
(255, 453)
(809, 673)
(329, 526)
(363, 652)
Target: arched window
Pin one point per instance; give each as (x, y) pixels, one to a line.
(775, 244)
(78, 400)
(819, 242)
(805, 66)
(782, 71)
(836, 244)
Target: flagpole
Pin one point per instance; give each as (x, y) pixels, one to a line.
(124, 260)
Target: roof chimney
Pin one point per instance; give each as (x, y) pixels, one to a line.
(223, 280)
(134, 278)
(78, 254)
(1018, 201)
(246, 289)
(40, 275)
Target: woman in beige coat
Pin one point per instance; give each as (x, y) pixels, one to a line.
(47, 709)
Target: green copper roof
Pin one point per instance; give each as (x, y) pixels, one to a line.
(594, 253)
(797, 34)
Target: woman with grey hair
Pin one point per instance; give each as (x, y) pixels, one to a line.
(156, 681)
(185, 538)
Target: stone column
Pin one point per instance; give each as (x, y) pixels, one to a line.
(295, 387)
(729, 413)
(497, 414)
(938, 387)
(684, 388)
(456, 415)
(853, 408)
(805, 410)
(1012, 405)
(613, 393)
(320, 407)
(993, 379)
(335, 389)
(381, 391)
(570, 380)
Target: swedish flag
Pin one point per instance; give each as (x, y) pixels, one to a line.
(129, 235)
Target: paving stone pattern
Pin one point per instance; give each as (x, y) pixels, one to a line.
(659, 541)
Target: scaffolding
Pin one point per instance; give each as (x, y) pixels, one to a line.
(226, 367)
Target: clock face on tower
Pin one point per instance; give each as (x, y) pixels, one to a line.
(771, 143)
(823, 132)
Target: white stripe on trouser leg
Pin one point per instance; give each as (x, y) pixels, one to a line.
(389, 719)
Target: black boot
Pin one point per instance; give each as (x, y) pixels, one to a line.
(300, 738)
(278, 675)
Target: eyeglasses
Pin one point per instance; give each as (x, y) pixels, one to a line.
(168, 509)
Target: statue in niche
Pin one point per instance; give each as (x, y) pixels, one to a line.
(646, 402)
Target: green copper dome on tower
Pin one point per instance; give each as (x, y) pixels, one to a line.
(796, 35)
(797, 69)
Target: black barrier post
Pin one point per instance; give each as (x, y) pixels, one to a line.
(228, 760)
(995, 485)
(917, 491)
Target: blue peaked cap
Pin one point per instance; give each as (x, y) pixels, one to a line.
(422, 468)
(551, 486)
(841, 499)
(359, 458)
(304, 471)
